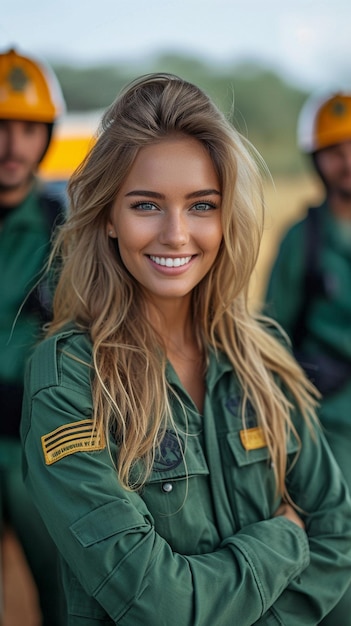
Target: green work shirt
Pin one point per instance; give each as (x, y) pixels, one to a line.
(197, 545)
(24, 246)
(328, 323)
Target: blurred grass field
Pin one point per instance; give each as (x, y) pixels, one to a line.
(287, 200)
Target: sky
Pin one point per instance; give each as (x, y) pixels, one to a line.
(307, 41)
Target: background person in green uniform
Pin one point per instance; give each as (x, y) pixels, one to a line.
(309, 291)
(30, 103)
(169, 438)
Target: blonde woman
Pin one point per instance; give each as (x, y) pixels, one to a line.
(170, 440)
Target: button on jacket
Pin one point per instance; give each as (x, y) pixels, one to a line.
(197, 546)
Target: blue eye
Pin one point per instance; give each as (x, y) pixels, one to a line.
(144, 206)
(204, 206)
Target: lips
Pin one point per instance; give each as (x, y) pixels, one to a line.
(170, 261)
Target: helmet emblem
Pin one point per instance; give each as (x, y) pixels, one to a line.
(339, 109)
(18, 79)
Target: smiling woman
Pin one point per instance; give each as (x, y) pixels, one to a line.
(169, 234)
(168, 433)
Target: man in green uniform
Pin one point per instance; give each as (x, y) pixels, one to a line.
(309, 289)
(30, 103)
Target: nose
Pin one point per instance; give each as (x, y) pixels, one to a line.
(175, 229)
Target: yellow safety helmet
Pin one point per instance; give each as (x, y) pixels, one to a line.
(29, 90)
(324, 121)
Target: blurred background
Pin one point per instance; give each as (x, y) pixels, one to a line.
(258, 60)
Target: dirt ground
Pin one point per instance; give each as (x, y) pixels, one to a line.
(285, 202)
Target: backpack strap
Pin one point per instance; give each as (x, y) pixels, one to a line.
(313, 282)
(53, 209)
(39, 299)
(329, 373)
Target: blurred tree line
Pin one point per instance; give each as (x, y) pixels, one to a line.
(262, 105)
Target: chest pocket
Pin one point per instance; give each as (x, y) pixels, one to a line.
(250, 480)
(178, 491)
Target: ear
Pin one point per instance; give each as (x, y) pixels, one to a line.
(111, 231)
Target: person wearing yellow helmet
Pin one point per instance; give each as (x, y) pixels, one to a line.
(309, 287)
(324, 121)
(30, 103)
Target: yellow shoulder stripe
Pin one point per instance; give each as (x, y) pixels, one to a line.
(71, 438)
(253, 438)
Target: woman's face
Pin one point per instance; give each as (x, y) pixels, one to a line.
(167, 217)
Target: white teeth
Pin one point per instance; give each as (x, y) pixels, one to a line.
(168, 262)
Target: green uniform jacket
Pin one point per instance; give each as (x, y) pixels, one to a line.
(24, 246)
(198, 545)
(328, 324)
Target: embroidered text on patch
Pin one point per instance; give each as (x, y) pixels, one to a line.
(252, 438)
(71, 438)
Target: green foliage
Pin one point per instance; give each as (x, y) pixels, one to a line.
(89, 88)
(257, 100)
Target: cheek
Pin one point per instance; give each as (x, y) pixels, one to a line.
(34, 143)
(133, 232)
(4, 142)
(131, 241)
(214, 236)
(35, 153)
(131, 237)
(330, 166)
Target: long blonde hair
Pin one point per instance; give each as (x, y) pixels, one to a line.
(130, 389)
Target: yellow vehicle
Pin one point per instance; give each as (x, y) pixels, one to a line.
(74, 135)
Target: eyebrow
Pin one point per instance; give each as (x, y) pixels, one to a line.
(154, 194)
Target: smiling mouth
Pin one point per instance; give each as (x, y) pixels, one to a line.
(170, 262)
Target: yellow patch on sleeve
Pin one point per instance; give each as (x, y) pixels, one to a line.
(71, 438)
(253, 438)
